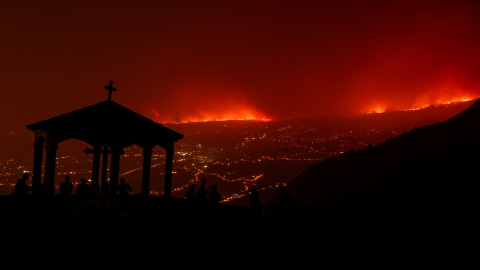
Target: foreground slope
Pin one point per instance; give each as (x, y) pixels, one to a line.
(410, 202)
(435, 160)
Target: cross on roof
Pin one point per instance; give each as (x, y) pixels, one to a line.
(110, 88)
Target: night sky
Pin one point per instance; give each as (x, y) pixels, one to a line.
(206, 60)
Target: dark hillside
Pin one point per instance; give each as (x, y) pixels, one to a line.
(426, 161)
(410, 202)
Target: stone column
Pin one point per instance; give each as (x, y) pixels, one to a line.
(104, 190)
(49, 181)
(50, 164)
(37, 167)
(168, 172)
(95, 171)
(114, 172)
(147, 161)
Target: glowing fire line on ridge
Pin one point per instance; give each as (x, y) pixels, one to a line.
(246, 115)
(382, 109)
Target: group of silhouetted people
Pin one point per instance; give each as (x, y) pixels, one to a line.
(84, 190)
(204, 196)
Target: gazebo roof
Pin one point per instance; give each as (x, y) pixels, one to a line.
(105, 124)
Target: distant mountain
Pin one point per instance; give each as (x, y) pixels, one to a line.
(428, 162)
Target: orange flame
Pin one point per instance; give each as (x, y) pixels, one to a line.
(377, 109)
(226, 113)
(421, 104)
(224, 116)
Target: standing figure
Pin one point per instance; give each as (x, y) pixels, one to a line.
(255, 205)
(190, 193)
(123, 190)
(66, 187)
(254, 199)
(83, 189)
(214, 196)
(21, 194)
(201, 196)
(21, 188)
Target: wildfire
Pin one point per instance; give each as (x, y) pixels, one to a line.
(242, 114)
(419, 105)
(456, 100)
(377, 110)
(224, 117)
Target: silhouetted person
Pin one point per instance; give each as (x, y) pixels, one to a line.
(66, 187)
(214, 196)
(255, 204)
(83, 189)
(190, 193)
(254, 199)
(201, 195)
(22, 190)
(123, 190)
(21, 194)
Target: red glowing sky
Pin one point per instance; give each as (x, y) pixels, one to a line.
(197, 60)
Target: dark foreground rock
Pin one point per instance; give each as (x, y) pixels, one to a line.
(335, 235)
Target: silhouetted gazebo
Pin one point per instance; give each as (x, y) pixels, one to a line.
(109, 128)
